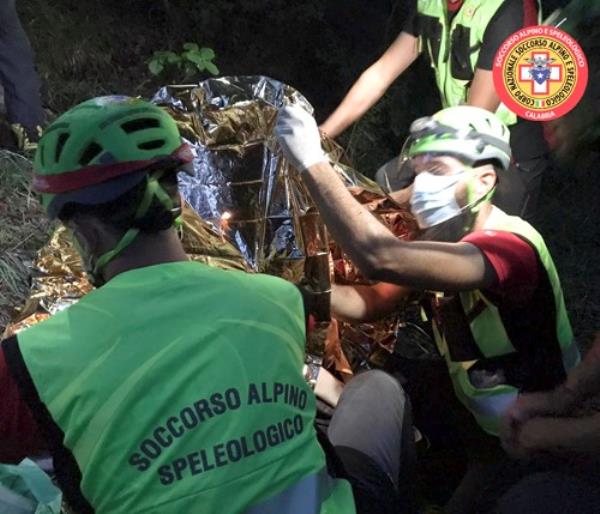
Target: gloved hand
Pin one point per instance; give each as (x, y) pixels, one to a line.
(299, 137)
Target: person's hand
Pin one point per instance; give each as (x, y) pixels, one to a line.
(328, 388)
(579, 435)
(299, 137)
(559, 402)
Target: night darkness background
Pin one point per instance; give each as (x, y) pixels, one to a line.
(88, 48)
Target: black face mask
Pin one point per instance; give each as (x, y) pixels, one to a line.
(450, 231)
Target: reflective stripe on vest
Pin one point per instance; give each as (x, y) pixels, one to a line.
(489, 409)
(490, 335)
(453, 48)
(304, 497)
(492, 406)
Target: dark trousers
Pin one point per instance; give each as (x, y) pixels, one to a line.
(372, 443)
(553, 492)
(469, 472)
(531, 172)
(17, 73)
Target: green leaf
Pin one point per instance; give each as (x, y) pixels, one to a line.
(211, 68)
(155, 67)
(194, 57)
(172, 57)
(190, 46)
(207, 54)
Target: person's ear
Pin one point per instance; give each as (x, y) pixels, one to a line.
(486, 180)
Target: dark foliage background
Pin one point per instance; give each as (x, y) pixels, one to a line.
(86, 48)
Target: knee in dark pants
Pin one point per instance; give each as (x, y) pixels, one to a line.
(371, 431)
(379, 385)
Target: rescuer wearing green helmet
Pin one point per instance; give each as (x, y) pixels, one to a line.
(499, 317)
(459, 39)
(173, 386)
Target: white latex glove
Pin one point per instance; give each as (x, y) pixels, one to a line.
(299, 137)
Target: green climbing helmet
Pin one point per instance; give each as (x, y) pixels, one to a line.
(103, 147)
(468, 133)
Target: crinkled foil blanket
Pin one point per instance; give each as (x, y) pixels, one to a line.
(247, 210)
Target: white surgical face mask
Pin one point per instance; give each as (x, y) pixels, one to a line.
(433, 200)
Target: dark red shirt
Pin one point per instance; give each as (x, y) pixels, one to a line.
(514, 261)
(19, 433)
(454, 6)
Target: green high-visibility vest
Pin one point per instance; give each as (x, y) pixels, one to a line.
(179, 389)
(478, 332)
(453, 47)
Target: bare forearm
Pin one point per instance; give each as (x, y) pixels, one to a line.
(579, 435)
(372, 84)
(365, 93)
(366, 303)
(351, 224)
(482, 92)
(347, 304)
(402, 196)
(380, 255)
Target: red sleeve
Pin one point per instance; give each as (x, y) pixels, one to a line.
(530, 13)
(19, 433)
(514, 261)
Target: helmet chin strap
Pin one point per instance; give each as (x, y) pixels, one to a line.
(153, 190)
(474, 204)
(105, 258)
(470, 211)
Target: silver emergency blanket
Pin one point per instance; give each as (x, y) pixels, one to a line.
(249, 211)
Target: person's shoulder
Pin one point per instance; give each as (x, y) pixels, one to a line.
(504, 232)
(491, 235)
(55, 326)
(249, 285)
(264, 283)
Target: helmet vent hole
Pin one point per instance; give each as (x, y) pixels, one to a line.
(152, 145)
(60, 144)
(140, 124)
(91, 152)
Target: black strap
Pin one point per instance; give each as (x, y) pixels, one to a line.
(532, 331)
(477, 309)
(454, 325)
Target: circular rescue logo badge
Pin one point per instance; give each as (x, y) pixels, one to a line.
(540, 73)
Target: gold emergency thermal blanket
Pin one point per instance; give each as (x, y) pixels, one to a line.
(249, 211)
